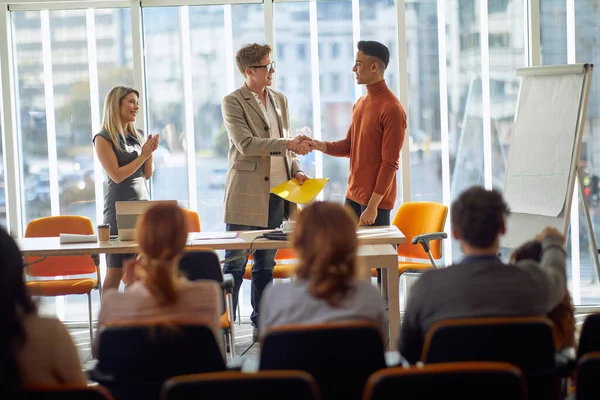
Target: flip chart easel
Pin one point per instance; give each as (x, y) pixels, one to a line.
(544, 151)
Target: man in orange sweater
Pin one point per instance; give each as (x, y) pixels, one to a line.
(373, 141)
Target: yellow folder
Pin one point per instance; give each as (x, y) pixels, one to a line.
(300, 194)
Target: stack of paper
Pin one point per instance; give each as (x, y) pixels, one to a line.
(74, 238)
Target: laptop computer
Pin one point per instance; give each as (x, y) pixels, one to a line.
(128, 213)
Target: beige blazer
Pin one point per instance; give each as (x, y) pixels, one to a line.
(251, 147)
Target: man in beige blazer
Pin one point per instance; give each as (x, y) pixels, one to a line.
(261, 156)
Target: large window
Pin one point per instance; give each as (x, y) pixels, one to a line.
(59, 108)
(506, 47)
(2, 192)
(553, 32)
(245, 25)
(465, 123)
(65, 63)
(29, 70)
(581, 44)
(2, 175)
(166, 102)
(587, 50)
(190, 67)
(424, 113)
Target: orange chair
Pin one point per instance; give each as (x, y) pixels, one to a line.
(464, 380)
(284, 269)
(261, 385)
(45, 267)
(422, 223)
(193, 220)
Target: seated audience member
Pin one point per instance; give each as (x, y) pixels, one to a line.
(563, 315)
(325, 288)
(158, 292)
(34, 350)
(481, 285)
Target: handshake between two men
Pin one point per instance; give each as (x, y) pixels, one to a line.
(303, 144)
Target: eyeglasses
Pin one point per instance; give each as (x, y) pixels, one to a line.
(269, 67)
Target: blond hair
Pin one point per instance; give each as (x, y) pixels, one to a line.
(326, 243)
(111, 120)
(251, 54)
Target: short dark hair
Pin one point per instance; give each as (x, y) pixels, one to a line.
(478, 215)
(375, 49)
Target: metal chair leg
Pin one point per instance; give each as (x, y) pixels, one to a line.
(89, 296)
(230, 311)
(231, 344)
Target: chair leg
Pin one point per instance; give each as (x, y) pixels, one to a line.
(223, 347)
(239, 312)
(89, 296)
(99, 282)
(231, 344)
(230, 311)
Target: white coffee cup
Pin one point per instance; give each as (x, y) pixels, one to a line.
(287, 226)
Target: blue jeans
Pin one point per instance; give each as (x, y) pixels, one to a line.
(264, 260)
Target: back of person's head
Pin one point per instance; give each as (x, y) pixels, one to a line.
(162, 234)
(531, 250)
(478, 217)
(563, 315)
(377, 50)
(15, 303)
(326, 243)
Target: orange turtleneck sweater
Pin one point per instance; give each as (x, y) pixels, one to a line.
(373, 143)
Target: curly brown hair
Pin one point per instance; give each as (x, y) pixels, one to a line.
(326, 243)
(251, 54)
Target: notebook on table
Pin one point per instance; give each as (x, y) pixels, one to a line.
(128, 213)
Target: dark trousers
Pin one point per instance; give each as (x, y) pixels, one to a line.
(383, 216)
(383, 219)
(264, 260)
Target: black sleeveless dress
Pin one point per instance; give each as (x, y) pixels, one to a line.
(132, 188)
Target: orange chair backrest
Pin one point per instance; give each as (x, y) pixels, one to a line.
(417, 218)
(60, 265)
(193, 220)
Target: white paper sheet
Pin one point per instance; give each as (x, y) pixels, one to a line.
(541, 148)
(74, 238)
(212, 235)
